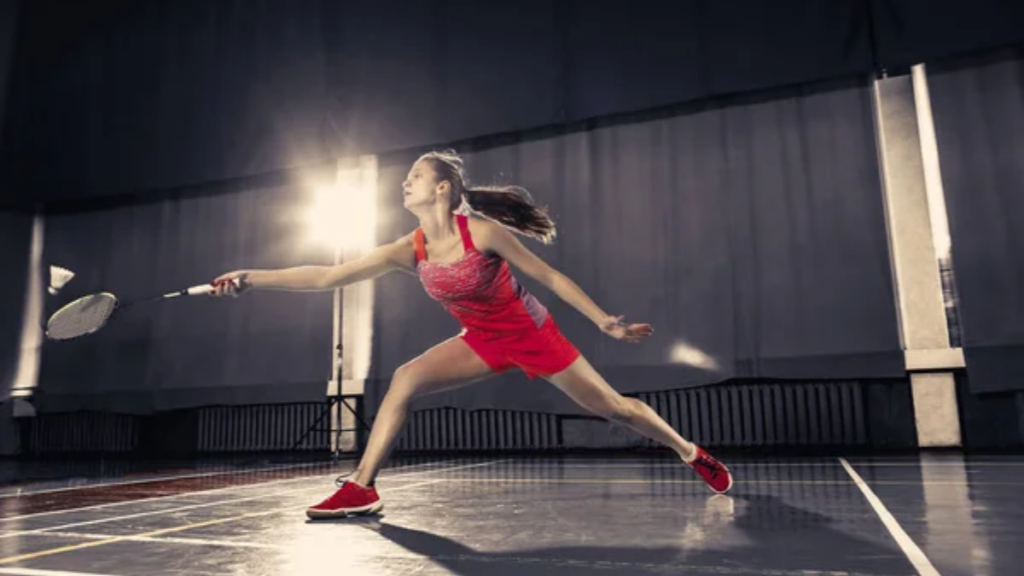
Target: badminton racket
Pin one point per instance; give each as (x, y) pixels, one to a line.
(89, 313)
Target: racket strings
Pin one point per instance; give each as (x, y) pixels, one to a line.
(81, 317)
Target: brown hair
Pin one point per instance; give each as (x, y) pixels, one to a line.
(510, 206)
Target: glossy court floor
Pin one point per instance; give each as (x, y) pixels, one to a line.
(931, 515)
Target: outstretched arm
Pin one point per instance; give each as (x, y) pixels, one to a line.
(384, 259)
(492, 237)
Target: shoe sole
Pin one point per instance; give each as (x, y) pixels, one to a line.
(370, 509)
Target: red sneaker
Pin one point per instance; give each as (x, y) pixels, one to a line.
(349, 500)
(712, 471)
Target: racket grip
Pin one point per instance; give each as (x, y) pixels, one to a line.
(199, 290)
(204, 289)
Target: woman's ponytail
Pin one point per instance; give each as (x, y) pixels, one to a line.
(513, 208)
(509, 206)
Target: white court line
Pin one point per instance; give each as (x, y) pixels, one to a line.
(210, 491)
(156, 478)
(31, 572)
(153, 513)
(172, 540)
(682, 466)
(914, 553)
(216, 503)
(733, 464)
(506, 559)
(159, 478)
(181, 528)
(525, 463)
(940, 463)
(205, 541)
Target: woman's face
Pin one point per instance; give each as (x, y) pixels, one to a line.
(421, 187)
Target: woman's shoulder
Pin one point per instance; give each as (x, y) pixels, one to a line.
(487, 235)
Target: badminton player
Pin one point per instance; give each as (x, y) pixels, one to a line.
(461, 253)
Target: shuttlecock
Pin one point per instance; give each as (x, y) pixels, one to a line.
(58, 278)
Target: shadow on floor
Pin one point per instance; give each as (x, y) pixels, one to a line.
(749, 534)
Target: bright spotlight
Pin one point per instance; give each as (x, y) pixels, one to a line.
(344, 216)
(324, 216)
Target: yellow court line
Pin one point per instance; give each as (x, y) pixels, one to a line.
(385, 474)
(115, 539)
(174, 529)
(104, 520)
(27, 491)
(107, 519)
(73, 547)
(18, 492)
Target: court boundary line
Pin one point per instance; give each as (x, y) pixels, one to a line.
(182, 541)
(922, 564)
(152, 479)
(807, 464)
(36, 572)
(104, 520)
(208, 491)
(636, 465)
(913, 552)
(173, 529)
(836, 482)
(481, 557)
(167, 478)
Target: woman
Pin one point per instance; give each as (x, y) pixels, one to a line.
(463, 263)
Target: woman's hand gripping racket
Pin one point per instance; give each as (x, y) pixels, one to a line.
(90, 313)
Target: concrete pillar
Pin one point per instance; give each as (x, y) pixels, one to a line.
(918, 238)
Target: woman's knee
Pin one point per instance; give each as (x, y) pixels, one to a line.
(616, 409)
(404, 382)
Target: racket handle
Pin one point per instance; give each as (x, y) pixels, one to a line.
(207, 288)
(197, 290)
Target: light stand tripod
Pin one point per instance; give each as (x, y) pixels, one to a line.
(350, 203)
(336, 398)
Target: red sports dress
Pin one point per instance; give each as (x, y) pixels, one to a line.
(502, 322)
(507, 327)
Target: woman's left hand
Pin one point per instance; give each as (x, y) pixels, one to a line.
(616, 328)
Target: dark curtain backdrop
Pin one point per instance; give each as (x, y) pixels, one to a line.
(8, 33)
(15, 229)
(908, 32)
(978, 106)
(759, 236)
(15, 243)
(752, 231)
(263, 347)
(122, 96)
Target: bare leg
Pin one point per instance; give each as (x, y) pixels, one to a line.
(584, 385)
(448, 365)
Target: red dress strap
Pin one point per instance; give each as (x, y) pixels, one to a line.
(467, 240)
(421, 248)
